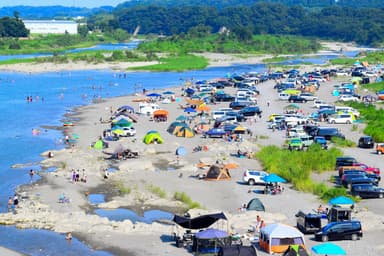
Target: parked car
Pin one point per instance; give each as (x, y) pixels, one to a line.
(322, 141)
(308, 223)
(328, 133)
(296, 99)
(295, 144)
(345, 161)
(238, 105)
(340, 231)
(353, 179)
(250, 111)
(318, 103)
(214, 133)
(224, 97)
(308, 96)
(380, 148)
(366, 142)
(347, 97)
(252, 177)
(307, 140)
(367, 191)
(129, 131)
(340, 119)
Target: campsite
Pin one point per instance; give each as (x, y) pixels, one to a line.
(174, 163)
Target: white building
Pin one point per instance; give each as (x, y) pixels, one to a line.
(51, 26)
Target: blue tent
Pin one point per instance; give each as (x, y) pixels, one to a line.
(190, 110)
(153, 95)
(181, 151)
(211, 233)
(273, 178)
(341, 200)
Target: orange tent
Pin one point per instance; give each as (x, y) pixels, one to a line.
(160, 112)
(204, 108)
(194, 102)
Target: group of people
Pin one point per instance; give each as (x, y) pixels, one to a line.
(259, 225)
(76, 176)
(13, 203)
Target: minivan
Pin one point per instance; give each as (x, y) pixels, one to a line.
(284, 96)
(218, 114)
(340, 231)
(250, 111)
(366, 142)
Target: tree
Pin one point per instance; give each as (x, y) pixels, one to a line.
(83, 30)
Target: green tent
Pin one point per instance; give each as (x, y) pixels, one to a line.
(98, 144)
(122, 123)
(153, 137)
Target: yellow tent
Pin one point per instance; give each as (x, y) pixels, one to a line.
(186, 132)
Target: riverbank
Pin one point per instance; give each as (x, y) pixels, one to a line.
(214, 59)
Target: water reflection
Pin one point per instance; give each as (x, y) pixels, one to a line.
(121, 214)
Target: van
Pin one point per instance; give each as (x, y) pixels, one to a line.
(284, 96)
(308, 223)
(340, 231)
(347, 110)
(345, 161)
(218, 114)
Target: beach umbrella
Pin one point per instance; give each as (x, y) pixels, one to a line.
(153, 95)
(190, 110)
(75, 136)
(273, 178)
(328, 249)
(341, 200)
(181, 151)
(292, 106)
(168, 93)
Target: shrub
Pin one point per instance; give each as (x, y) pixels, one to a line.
(157, 191)
(122, 189)
(183, 197)
(343, 143)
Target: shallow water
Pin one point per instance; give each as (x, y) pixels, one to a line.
(121, 214)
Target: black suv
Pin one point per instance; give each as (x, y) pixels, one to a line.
(367, 191)
(224, 97)
(296, 98)
(340, 231)
(345, 161)
(250, 111)
(366, 142)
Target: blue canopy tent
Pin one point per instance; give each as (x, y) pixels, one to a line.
(328, 249)
(190, 110)
(211, 240)
(153, 95)
(273, 178)
(341, 201)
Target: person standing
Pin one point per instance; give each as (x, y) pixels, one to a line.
(16, 201)
(10, 204)
(258, 223)
(31, 174)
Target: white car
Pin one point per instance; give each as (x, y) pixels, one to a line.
(342, 73)
(341, 119)
(308, 96)
(252, 177)
(317, 103)
(295, 119)
(129, 131)
(347, 97)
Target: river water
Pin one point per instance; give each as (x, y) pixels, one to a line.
(54, 94)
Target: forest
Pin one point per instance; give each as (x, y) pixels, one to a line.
(364, 26)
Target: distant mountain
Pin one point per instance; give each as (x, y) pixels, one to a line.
(230, 3)
(51, 12)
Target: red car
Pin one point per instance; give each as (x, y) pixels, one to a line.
(368, 169)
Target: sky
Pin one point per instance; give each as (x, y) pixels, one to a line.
(77, 3)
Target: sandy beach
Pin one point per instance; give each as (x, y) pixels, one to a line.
(157, 166)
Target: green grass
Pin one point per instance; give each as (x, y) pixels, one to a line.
(157, 191)
(16, 61)
(343, 143)
(177, 63)
(297, 166)
(343, 61)
(183, 197)
(373, 117)
(122, 188)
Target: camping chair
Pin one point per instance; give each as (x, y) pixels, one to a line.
(63, 199)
